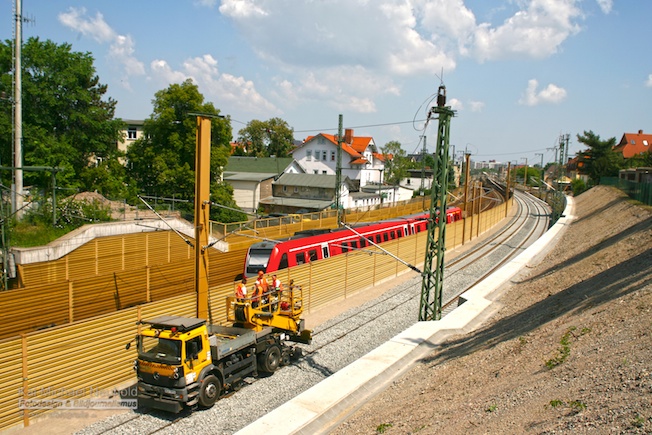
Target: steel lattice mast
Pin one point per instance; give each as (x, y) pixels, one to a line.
(433, 275)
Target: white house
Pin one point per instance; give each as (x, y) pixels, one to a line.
(361, 159)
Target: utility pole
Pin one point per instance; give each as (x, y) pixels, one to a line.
(423, 173)
(567, 138)
(562, 148)
(433, 277)
(525, 176)
(509, 168)
(338, 172)
(202, 211)
(467, 175)
(541, 182)
(17, 191)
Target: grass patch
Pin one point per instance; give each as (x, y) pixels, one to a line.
(564, 350)
(381, 428)
(27, 235)
(576, 406)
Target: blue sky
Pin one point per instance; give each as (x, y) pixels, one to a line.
(519, 72)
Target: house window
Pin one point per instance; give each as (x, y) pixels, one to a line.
(309, 155)
(315, 171)
(296, 190)
(332, 156)
(285, 188)
(131, 133)
(323, 155)
(323, 172)
(316, 155)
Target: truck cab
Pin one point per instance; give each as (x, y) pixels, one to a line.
(184, 362)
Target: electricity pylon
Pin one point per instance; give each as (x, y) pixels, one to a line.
(433, 276)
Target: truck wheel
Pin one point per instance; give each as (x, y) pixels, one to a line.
(209, 392)
(271, 359)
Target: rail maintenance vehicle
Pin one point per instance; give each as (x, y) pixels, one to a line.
(186, 362)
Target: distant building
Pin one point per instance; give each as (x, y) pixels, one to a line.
(252, 178)
(132, 132)
(301, 193)
(361, 159)
(633, 144)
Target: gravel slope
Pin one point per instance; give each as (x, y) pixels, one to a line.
(570, 351)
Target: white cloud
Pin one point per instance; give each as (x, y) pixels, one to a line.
(536, 31)
(605, 5)
(476, 106)
(121, 47)
(225, 90)
(648, 83)
(340, 49)
(550, 94)
(341, 89)
(455, 104)
(241, 8)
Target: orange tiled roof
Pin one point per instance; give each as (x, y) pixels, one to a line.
(633, 144)
(380, 157)
(345, 147)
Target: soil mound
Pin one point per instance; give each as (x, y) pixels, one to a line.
(570, 351)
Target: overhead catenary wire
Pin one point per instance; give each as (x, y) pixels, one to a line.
(414, 268)
(185, 239)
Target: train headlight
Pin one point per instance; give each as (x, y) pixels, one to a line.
(135, 366)
(176, 374)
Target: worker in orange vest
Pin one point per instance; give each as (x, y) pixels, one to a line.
(264, 286)
(241, 290)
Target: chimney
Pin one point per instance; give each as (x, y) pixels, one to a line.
(640, 132)
(348, 136)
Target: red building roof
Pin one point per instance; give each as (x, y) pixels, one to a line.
(633, 144)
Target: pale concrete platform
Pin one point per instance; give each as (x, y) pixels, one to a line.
(322, 407)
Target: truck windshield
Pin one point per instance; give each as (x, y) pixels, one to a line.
(160, 349)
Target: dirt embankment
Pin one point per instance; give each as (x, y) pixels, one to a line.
(570, 351)
(119, 210)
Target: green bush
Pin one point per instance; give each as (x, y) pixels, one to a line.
(578, 186)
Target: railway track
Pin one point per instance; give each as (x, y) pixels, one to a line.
(345, 338)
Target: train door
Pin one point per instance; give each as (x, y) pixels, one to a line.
(324, 250)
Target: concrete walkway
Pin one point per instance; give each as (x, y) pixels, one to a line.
(324, 406)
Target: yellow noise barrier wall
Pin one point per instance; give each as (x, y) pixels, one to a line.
(112, 273)
(88, 358)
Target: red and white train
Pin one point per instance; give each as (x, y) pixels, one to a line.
(311, 246)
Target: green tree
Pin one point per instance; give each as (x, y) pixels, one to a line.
(66, 120)
(600, 160)
(109, 177)
(162, 162)
(640, 160)
(273, 137)
(396, 162)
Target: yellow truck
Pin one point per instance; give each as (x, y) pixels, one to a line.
(185, 362)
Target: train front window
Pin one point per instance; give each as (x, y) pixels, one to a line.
(258, 259)
(283, 264)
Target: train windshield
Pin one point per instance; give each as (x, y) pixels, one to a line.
(257, 260)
